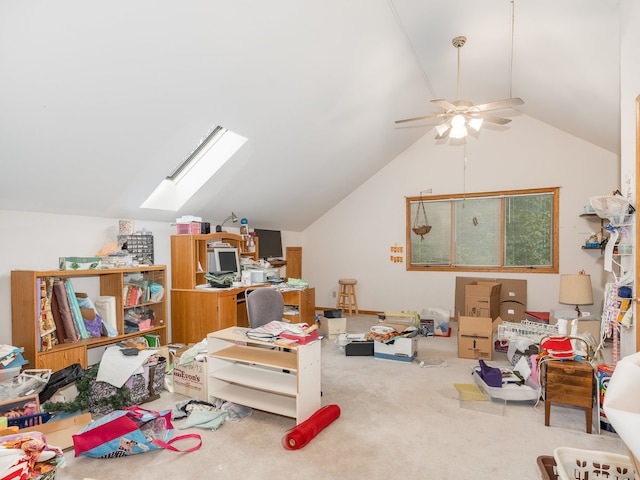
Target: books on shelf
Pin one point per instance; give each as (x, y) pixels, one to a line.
(139, 292)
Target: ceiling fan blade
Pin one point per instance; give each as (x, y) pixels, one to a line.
(497, 120)
(445, 132)
(497, 105)
(444, 104)
(436, 115)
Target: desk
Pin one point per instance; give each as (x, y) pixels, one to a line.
(197, 312)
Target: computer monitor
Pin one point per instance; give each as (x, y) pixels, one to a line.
(224, 259)
(269, 243)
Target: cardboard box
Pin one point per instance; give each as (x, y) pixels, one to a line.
(475, 337)
(60, 432)
(403, 349)
(190, 379)
(482, 289)
(585, 325)
(482, 299)
(512, 311)
(513, 299)
(332, 327)
(513, 296)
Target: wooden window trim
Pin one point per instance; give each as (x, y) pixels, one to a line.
(554, 268)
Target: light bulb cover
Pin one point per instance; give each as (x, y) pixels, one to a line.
(457, 121)
(458, 132)
(475, 123)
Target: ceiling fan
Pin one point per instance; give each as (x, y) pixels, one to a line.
(460, 114)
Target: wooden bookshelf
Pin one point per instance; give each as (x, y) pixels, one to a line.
(25, 313)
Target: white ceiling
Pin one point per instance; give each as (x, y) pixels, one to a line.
(100, 100)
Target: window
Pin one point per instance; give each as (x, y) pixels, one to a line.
(511, 231)
(205, 159)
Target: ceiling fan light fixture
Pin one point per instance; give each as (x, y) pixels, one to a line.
(459, 114)
(457, 121)
(475, 123)
(458, 132)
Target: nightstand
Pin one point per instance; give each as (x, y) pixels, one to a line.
(569, 382)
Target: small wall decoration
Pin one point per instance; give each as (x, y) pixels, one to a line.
(395, 249)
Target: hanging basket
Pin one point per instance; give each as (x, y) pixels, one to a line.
(422, 230)
(421, 225)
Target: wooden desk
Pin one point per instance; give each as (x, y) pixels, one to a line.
(569, 382)
(197, 312)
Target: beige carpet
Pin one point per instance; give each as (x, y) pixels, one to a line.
(398, 421)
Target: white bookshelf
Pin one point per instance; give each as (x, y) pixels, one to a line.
(259, 375)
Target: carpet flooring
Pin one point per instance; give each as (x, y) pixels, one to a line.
(398, 421)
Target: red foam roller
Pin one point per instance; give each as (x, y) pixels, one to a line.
(298, 436)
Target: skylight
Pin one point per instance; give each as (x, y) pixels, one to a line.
(211, 153)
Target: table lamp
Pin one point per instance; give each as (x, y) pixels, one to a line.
(575, 289)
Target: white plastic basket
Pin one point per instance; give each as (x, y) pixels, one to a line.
(29, 382)
(612, 207)
(572, 463)
(8, 374)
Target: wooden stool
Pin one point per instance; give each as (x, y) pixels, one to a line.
(347, 295)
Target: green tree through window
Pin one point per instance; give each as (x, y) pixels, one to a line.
(497, 231)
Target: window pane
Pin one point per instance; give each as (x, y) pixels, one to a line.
(477, 241)
(432, 248)
(528, 230)
(511, 231)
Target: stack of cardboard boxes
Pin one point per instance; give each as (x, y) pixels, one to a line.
(481, 305)
(481, 319)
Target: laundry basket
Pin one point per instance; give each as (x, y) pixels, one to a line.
(572, 463)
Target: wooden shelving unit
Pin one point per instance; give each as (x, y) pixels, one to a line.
(189, 256)
(305, 301)
(253, 373)
(197, 312)
(25, 313)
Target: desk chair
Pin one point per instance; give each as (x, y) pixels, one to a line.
(263, 306)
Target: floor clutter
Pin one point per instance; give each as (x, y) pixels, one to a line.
(357, 389)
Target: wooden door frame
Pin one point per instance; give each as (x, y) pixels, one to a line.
(637, 187)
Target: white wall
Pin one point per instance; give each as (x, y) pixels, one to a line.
(354, 238)
(34, 241)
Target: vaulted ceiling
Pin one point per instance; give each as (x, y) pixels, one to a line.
(100, 100)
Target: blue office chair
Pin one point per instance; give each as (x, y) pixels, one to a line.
(263, 306)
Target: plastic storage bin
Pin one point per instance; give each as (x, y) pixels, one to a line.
(29, 420)
(29, 382)
(572, 463)
(8, 374)
(547, 465)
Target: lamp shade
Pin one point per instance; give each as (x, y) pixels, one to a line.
(576, 289)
